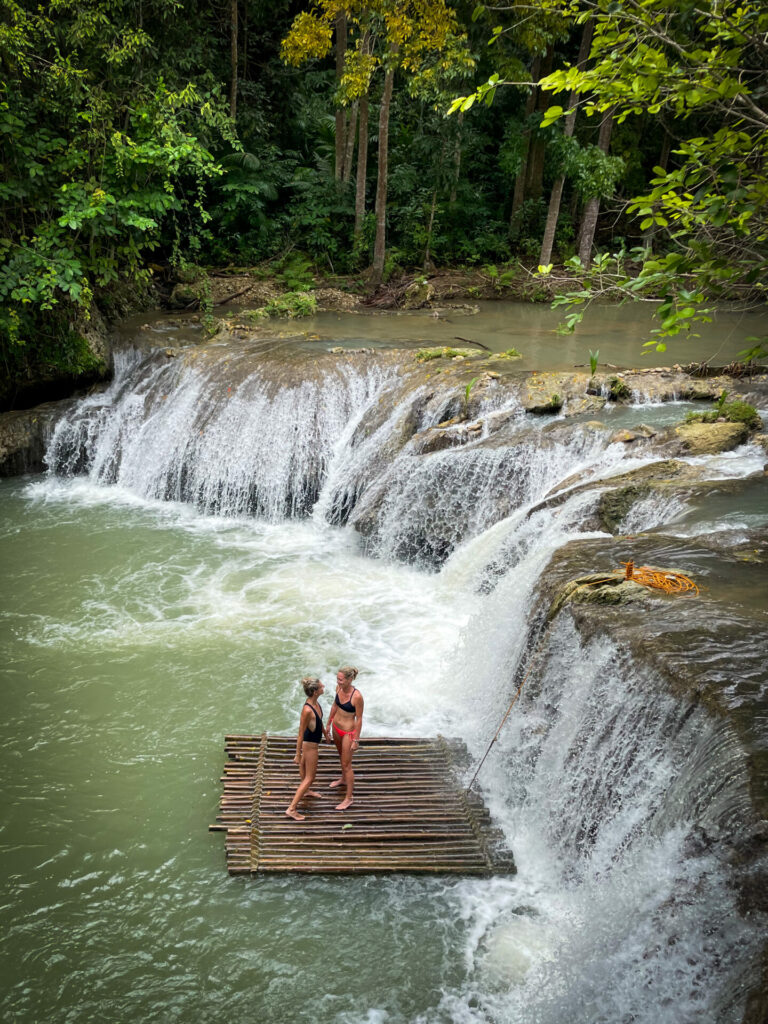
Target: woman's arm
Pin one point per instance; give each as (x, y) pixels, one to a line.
(359, 703)
(300, 737)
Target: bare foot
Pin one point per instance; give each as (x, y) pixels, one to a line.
(335, 783)
(311, 792)
(295, 814)
(344, 804)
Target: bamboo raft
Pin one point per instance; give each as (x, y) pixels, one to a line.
(409, 814)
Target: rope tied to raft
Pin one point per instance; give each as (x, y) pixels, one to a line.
(656, 579)
(539, 646)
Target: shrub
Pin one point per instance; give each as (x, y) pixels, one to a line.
(730, 412)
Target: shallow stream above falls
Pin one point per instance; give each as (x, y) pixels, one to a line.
(616, 332)
(219, 522)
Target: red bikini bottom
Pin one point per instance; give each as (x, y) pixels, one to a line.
(341, 732)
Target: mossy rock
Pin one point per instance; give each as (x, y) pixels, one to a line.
(186, 294)
(618, 391)
(426, 355)
(731, 412)
(418, 294)
(552, 404)
(598, 588)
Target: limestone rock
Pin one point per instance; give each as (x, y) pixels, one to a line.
(597, 588)
(710, 438)
(438, 439)
(24, 435)
(333, 299)
(614, 505)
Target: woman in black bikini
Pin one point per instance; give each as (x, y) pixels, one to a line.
(310, 732)
(347, 719)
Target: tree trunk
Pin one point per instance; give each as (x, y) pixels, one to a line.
(456, 158)
(362, 166)
(233, 59)
(534, 184)
(553, 213)
(592, 207)
(349, 151)
(244, 48)
(530, 105)
(426, 266)
(341, 114)
(379, 248)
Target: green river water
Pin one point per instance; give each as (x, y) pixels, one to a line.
(135, 638)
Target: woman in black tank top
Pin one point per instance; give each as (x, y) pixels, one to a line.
(311, 730)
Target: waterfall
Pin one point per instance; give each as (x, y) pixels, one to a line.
(176, 431)
(620, 800)
(617, 798)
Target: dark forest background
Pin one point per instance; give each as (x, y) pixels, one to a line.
(315, 139)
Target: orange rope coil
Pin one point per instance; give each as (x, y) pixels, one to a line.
(669, 582)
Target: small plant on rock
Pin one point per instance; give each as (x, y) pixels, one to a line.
(510, 353)
(618, 390)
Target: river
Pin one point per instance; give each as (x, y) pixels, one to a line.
(137, 631)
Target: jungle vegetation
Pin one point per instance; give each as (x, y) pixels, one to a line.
(615, 146)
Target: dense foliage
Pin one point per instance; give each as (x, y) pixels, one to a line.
(138, 135)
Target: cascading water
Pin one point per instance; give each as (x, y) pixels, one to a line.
(603, 782)
(174, 432)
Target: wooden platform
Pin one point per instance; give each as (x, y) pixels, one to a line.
(410, 813)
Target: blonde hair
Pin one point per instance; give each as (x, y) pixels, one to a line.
(311, 685)
(348, 672)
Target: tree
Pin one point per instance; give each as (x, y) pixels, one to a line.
(103, 151)
(704, 67)
(553, 212)
(392, 35)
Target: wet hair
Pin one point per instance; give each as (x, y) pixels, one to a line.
(311, 685)
(348, 672)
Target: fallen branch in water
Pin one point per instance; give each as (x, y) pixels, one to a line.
(468, 341)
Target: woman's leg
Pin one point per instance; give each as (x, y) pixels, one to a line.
(348, 776)
(338, 742)
(309, 770)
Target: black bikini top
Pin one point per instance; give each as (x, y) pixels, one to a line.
(347, 706)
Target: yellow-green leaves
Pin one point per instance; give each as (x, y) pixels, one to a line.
(310, 37)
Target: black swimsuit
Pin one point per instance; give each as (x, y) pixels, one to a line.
(314, 735)
(347, 706)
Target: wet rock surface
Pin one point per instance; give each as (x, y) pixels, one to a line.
(709, 438)
(712, 646)
(710, 651)
(24, 436)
